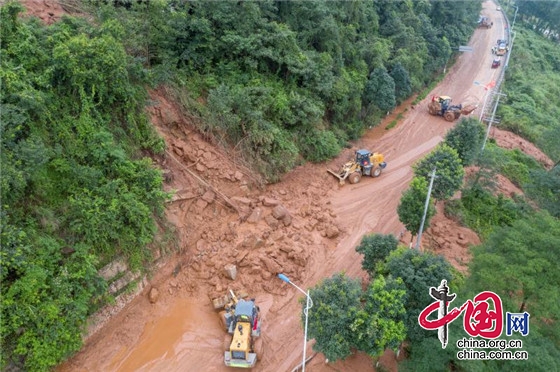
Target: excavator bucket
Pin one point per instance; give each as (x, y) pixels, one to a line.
(468, 109)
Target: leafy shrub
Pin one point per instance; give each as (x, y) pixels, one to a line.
(320, 145)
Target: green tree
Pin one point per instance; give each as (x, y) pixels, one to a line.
(466, 138)
(380, 90)
(449, 171)
(419, 271)
(519, 261)
(544, 188)
(411, 206)
(375, 248)
(379, 324)
(401, 78)
(336, 303)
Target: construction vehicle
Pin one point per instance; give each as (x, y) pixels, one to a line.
(502, 49)
(365, 163)
(441, 106)
(485, 22)
(241, 320)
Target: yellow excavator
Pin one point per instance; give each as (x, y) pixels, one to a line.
(365, 163)
(241, 320)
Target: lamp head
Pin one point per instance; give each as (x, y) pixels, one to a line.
(284, 278)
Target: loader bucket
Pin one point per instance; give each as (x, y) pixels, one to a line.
(337, 175)
(468, 109)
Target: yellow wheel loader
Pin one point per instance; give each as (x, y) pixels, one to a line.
(365, 163)
(241, 320)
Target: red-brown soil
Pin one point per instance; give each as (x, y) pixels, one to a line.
(305, 226)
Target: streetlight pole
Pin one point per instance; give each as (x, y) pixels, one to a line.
(432, 176)
(308, 305)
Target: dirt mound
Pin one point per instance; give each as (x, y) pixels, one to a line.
(501, 184)
(49, 11)
(509, 140)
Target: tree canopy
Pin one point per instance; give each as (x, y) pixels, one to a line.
(412, 204)
(449, 171)
(344, 318)
(466, 138)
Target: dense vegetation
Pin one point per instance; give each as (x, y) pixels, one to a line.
(75, 189)
(543, 16)
(286, 81)
(518, 263)
(532, 86)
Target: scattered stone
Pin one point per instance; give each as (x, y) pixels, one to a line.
(178, 150)
(252, 242)
(112, 269)
(286, 248)
(279, 212)
(241, 255)
(269, 202)
(208, 196)
(255, 216)
(332, 231)
(167, 176)
(277, 236)
(271, 221)
(245, 189)
(271, 265)
(201, 245)
(211, 164)
(208, 155)
(231, 271)
(287, 220)
(200, 168)
(153, 295)
(242, 200)
(238, 175)
(201, 204)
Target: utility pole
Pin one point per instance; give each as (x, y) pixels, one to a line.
(432, 177)
(514, 16)
(491, 120)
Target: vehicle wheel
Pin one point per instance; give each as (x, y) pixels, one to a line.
(258, 348)
(355, 177)
(376, 172)
(227, 341)
(449, 116)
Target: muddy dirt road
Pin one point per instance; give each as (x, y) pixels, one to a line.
(317, 238)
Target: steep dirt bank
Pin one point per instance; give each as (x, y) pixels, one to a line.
(305, 226)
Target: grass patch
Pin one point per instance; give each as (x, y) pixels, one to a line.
(391, 124)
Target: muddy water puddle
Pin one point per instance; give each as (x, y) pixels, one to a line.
(165, 342)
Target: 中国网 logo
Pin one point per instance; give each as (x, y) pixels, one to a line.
(483, 315)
